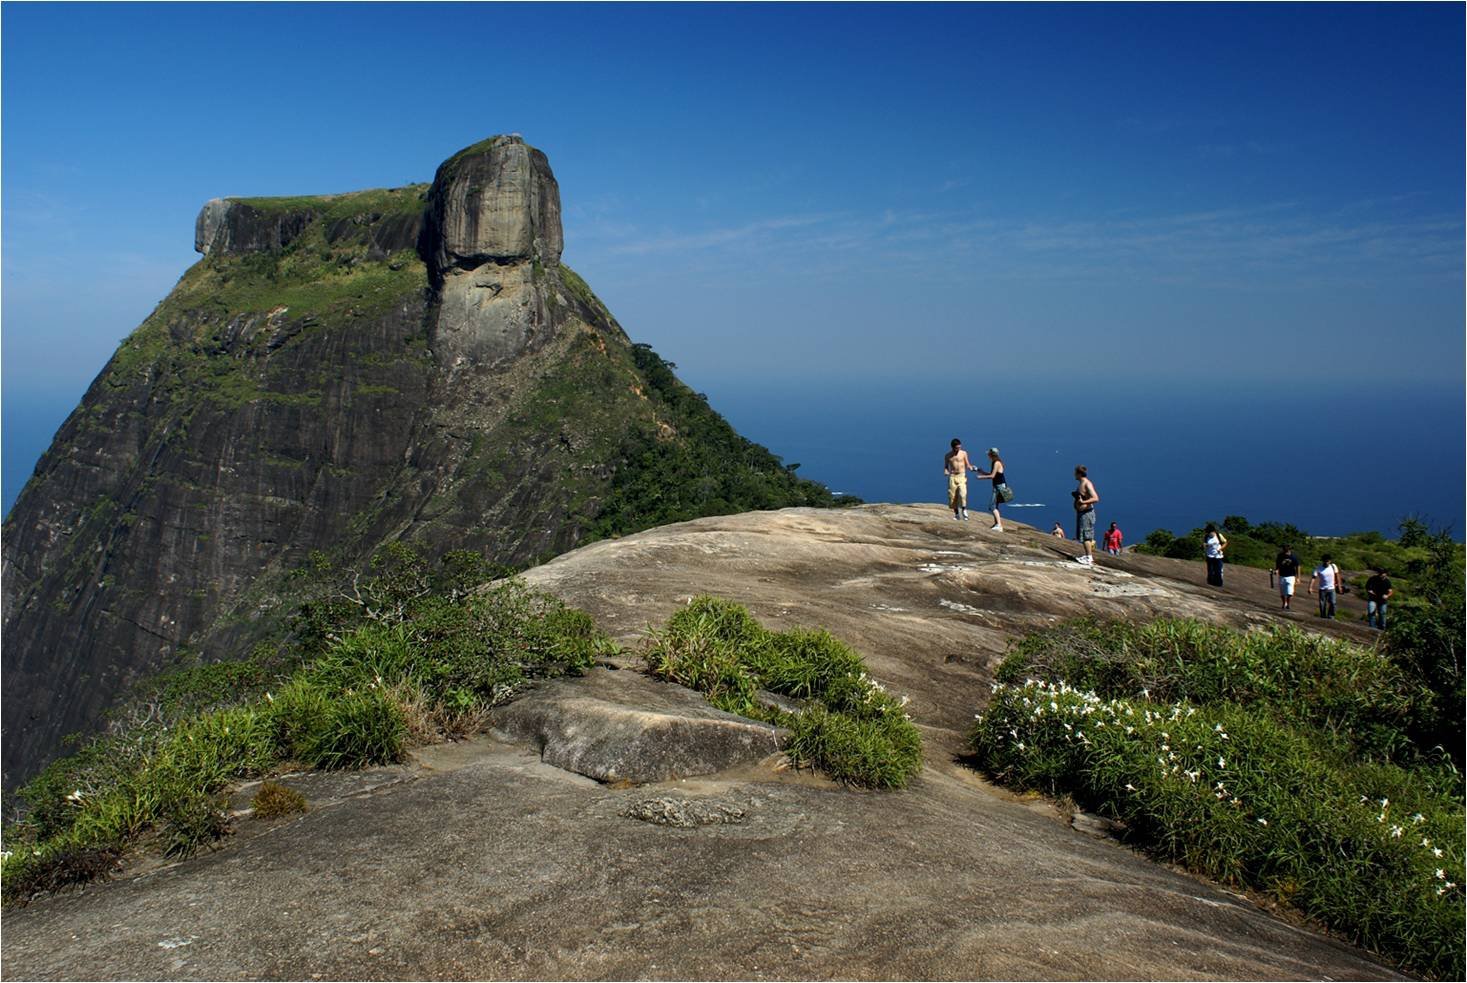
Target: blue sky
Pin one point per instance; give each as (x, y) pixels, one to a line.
(1263, 194)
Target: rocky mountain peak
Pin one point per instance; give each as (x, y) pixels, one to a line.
(494, 202)
(336, 373)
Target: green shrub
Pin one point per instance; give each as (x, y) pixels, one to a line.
(1355, 697)
(850, 728)
(359, 728)
(873, 752)
(1257, 759)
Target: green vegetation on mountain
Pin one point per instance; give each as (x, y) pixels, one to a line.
(210, 335)
(849, 727)
(374, 666)
(696, 465)
(1312, 769)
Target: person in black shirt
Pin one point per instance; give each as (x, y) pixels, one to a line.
(1286, 567)
(1378, 590)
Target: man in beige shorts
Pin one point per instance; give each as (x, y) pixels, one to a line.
(955, 465)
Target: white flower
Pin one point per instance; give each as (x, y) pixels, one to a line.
(1130, 787)
(1262, 822)
(1384, 803)
(1417, 817)
(1021, 745)
(1396, 832)
(1221, 762)
(1425, 841)
(1436, 851)
(1450, 884)
(1441, 875)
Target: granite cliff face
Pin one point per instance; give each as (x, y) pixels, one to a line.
(335, 373)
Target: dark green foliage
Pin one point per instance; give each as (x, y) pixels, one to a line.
(697, 466)
(1273, 759)
(850, 728)
(1424, 637)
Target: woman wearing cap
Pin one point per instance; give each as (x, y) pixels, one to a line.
(995, 474)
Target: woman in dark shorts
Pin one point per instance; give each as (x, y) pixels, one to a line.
(995, 473)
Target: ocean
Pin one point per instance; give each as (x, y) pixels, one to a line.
(1170, 458)
(1161, 457)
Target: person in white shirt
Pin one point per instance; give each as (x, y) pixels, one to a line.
(1327, 575)
(1213, 544)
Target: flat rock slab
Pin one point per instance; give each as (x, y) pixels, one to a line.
(506, 868)
(620, 725)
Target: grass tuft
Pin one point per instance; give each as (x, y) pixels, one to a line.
(850, 728)
(273, 800)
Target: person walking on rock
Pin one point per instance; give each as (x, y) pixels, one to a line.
(1001, 491)
(1378, 590)
(1085, 497)
(1327, 576)
(1286, 569)
(1213, 544)
(1113, 540)
(955, 465)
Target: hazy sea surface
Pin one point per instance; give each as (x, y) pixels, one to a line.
(1330, 462)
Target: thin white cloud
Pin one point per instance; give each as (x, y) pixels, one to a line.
(1273, 241)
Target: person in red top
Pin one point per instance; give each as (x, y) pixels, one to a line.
(1113, 540)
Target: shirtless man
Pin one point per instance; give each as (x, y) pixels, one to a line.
(955, 465)
(1085, 498)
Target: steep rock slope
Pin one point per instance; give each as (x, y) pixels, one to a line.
(335, 373)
